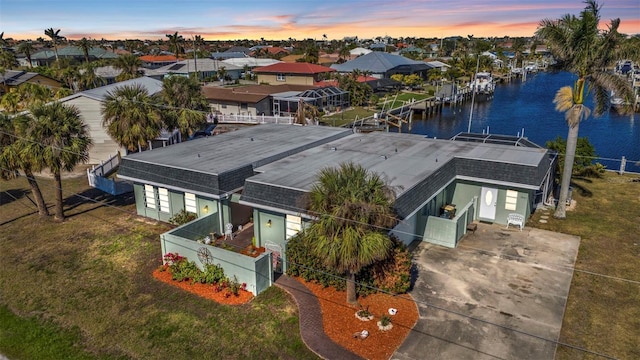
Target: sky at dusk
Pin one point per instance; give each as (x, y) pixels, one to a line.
(299, 19)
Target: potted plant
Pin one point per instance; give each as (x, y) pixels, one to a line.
(384, 324)
(364, 314)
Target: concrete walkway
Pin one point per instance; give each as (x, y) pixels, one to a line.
(311, 329)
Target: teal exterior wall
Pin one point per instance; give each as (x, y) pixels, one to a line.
(256, 272)
(447, 232)
(465, 190)
(205, 206)
(412, 227)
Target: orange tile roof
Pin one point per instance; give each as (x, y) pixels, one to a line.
(158, 58)
(294, 68)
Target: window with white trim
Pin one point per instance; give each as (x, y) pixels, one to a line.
(163, 197)
(511, 202)
(281, 77)
(294, 225)
(190, 203)
(149, 197)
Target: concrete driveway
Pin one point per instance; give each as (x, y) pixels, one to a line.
(500, 294)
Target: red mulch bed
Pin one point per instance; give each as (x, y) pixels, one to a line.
(205, 290)
(340, 323)
(338, 317)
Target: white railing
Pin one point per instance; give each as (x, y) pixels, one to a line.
(105, 167)
(253, 119)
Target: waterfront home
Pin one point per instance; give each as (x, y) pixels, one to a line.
(258, 177)
(382, 65)
(270, 100)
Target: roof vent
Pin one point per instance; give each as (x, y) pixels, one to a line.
(251, 139)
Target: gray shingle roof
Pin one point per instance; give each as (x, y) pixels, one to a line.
(221, 163)
(416, 167)
(379, 62)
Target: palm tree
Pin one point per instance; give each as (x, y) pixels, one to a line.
(129, 64)
(353, 210)
(26, 47)
(85, 45)
(16, 155)
(55, 37)
(197, 42)
(186, 104)
(581, 48)
(63, 142)
(88, 78)
(131, 116)
(175, 43)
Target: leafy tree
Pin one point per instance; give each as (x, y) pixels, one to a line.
(175, 43)
(579, 46)
(583, 164)
(88, 78)
(354, 210)
(186, 105)
(85, 45)
(55, 37)
(130, 115)
(63, 142)
(130, 65)
(16, 154)
(26, 47)
(7, 59)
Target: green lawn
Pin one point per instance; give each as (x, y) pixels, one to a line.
(83, 290)
(356, 113)
(603, 312)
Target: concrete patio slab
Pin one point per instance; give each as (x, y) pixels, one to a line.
(500, 294)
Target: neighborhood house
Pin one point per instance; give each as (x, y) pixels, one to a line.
(259, 175)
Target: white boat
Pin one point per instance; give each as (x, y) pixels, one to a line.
(483, 83)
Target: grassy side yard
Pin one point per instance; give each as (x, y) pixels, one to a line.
(603, 312)
(83, 290)
(356, 113)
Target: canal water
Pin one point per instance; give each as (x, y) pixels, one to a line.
(527, 108)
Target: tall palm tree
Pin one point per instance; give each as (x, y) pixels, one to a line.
(17, 154)
(64, 142)
(26, 47)
(55, 37)
(186, 104)
(175, 43)
(130, 65)
(197, 42)
(131, 116)
(85, 45)
(582, 48)
(354, 210)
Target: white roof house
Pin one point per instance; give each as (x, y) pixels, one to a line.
(90, 102)
(359, 51)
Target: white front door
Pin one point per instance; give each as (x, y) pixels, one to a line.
(488, 203)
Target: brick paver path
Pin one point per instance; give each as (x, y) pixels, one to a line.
(311, 328)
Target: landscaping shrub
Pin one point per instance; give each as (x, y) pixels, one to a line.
(303, 263)
(182, 217)
(392, 274)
